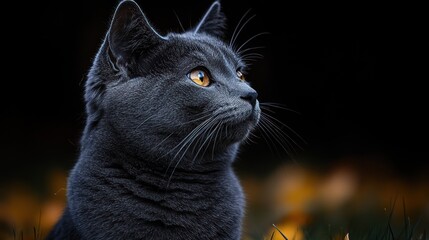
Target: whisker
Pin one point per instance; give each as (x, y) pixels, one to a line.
(194, 120)
(159, 144)
(199, 141)
(253, 55)
(250, 39)
(192, 136)
(249, 138)
(253, 58)
(249, 49)
(236, 27)
(147, 119)
(286, 126)
(280, 133)
(279, 138)
(266, 136)
(187, 144)
(198, 133)
(215, 125)
(249, 62)
(266, 109)
(205, 141)
(184, 140)
(239, 31)
(215, 139)
(277, 105)
(207, 114)
(180, 23)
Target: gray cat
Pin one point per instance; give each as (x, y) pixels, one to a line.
(165, 118)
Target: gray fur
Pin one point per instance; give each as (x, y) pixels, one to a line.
(143, 172)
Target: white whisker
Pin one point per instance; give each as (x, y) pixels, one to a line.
(180, 23)
(286, 126)
(279, 134)
(250, 39)
(249, 49)
(265, 133)
(277, 105)
(141, 124)
(232, 40)
(196, 133)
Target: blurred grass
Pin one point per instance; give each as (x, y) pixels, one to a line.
(365, 227)
(375, 226)
(303, 203)
(365, 202)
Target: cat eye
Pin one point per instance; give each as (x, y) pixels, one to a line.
(200, 77)
(240, 75)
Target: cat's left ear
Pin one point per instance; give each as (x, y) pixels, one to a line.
(213, 22)
(130, 33)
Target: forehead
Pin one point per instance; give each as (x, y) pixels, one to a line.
(205, 48)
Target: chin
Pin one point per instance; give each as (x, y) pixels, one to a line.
(238, 132)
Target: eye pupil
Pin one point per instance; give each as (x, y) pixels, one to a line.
(201, 76)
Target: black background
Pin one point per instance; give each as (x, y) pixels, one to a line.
(355, 73)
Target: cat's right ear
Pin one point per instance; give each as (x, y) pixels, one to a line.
(130, 33)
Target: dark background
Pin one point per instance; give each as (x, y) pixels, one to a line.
(355, 74)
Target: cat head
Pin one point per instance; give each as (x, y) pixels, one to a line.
(183, 93)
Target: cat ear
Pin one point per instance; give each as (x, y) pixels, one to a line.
(213, 22)
(130, 33)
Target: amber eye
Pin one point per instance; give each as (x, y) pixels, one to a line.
(240, 75)
(199, 77)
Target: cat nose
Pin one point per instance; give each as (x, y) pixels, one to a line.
(250, 97)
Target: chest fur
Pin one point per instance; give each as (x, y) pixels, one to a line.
(110, 204)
